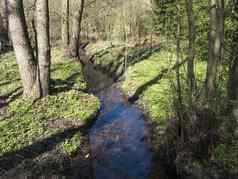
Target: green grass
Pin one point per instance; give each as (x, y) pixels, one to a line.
(157, 99)
(64, 69)
(227, 155)
(105, 54)
(114, 56)
(28, 121)
(69, 146)
(9, 76)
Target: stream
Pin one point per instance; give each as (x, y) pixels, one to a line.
(119, 149)
(118, 139)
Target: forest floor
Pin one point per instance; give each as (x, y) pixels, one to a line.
(44, 134)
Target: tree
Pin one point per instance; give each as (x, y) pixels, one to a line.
(1, 23)
(4, 15)
(43, 44)
(23, 50)
(35, 73)
(4, 31)
(76, 29)
(191, 48)
(233, 58)
(179, 104)
(215, 46)
(65, 23)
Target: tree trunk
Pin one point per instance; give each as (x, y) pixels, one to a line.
(76, 29)
(4, 15)
(221, 24)
(23, 49)
(5, 24)
(178, 51)
(233, 68)
(233, 76)
(43, 44)
(65, 23)
(178, 81)
(1, 23)
(215, 47)
(191, 48)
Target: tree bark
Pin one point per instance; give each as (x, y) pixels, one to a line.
(233, 79)
(65, 23)
(4, 15)
(76, 29)
(178, 80)
(191, 48)
(43, 44)
(233, 67)
(215, 47)
(1, 23)
(178, 52)
(23, 49)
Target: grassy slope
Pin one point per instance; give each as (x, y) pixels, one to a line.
(157, 98)
(29, 121)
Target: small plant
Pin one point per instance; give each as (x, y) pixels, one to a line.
(70, 146)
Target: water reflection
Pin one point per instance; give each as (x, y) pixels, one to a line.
(118, 146)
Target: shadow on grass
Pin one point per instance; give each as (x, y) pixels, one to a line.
(145, 86)
(59, 85)
(11, 96)
(117, 67)
(12, 159)
(9, 82)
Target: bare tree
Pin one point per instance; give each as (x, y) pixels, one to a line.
(178, 54)
(4, 15)
(43, 44)
(233, 67)
(76, 29)
(191, 48)
(65, 23)
(215, 46)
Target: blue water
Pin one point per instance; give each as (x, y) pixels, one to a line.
(118, 139)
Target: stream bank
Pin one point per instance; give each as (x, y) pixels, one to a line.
(120, 136)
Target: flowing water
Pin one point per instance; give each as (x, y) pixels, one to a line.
(118, 137)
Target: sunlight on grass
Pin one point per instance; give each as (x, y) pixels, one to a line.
(157, 99)
(28, 121)
(9, 75)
